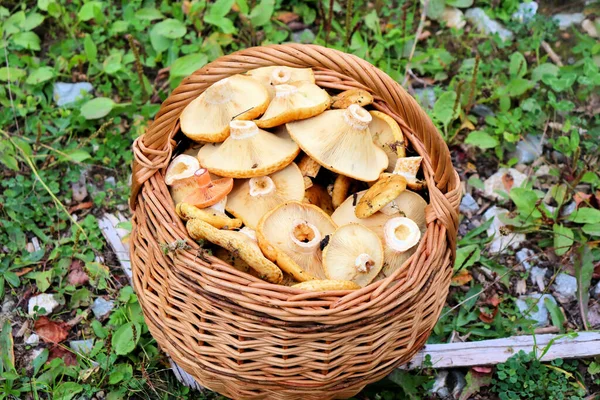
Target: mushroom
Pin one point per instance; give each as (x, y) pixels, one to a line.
(291, 234)
(209, 215)
(341, 187)
(206, 191)
(249, 152)
(386, 189)
(206, 118)
(340, 141)
(352, 96)
(180, 176)
(353, 253)
(308, 166)
(252, 198)
(408, 167)
(237, 243)
(408, 204)
(307, 182)
(318, 196)
(326, 285)
(387, 135)
(294, 101)
(271, 76)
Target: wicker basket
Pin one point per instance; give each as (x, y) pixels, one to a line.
(248, 339)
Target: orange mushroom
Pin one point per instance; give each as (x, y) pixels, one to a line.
(208, 192)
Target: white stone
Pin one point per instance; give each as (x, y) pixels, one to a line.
(568, 209)
(67, 93)
(500, 242)
(485, 24)
(82, 346)
(596, 291)
(44, 300)
(566, 287)
(101, 307)
(541, 315)
(525, 256)
(495, 183)
(439, 385)
(590, 28)
(80, 191)
(537, 276)
(525, 12)
(567, 20)
(454, 18)
(32, 339)
(426, 97)
(468, 204)
(529, 149)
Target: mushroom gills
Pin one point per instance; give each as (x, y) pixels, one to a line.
(388, 136)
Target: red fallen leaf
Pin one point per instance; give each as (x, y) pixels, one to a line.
(483, 370)
(494, 301)
(581, 197)
(77, 276)
(486, 317)
(462, 278)
(81, 206)
(60, 352)
(508, 181)
(287, 16)
(51, 331)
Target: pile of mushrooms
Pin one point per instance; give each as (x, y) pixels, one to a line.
(295, 185)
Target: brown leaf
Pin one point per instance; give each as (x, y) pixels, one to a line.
(581, 197)
(287, 16)
(483, 370)
(494, 301)
(508, 181)
(81, 206)
(51, 331)
(23, 271)
(486, 317)
(462, 278)
(77, 276)
(67, 356)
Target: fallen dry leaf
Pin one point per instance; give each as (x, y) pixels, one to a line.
(51, 331)
(81, 206)
(287, 16)
(487, 317)
(508, 181)
(77, 276)
(24, 271)
(483, 370)
(462, 278)
(494, 301)
(67, 356)
(581, 197)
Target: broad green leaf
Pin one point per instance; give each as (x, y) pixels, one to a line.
(66, 391)
(585, 215)
(100, 331)
(91, 52)
(43, 4)
(518, 65)
(13, 23)
(563, 239)
(112, 64)
(584, 269)
(243, 6)
(9, 161)
(27, 40)
(23, 144)
(467, 256)
(558, 320)
(544, 69)
(126, 338)
(474, 382)
(186, 65)
(121, 372)
(170, 28)
(459, 3)
(262, 13)
(89, 10)
(518, 86)
(525, 200)
(148, 14)
(39, 361)
(43, 279)
(443, 109)
(158, 41)
(119, 27)
(76, 155)
(435, 8)
(591, 229)
(220, 8)
(40, 75)
(97, 108)
(216, 16)
(7, 354)
(32, 21)
(482, 140)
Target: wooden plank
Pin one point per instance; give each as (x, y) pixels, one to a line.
(116, 239)
(495, 351)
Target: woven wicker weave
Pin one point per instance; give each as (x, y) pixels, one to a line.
(248, 339)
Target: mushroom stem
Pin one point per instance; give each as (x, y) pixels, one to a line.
(221, 92)
(242, 129)
(202, 177)
(401, 233)
(364, 263)
(357, 117)
(261, 186)
(280, 76)
(285, 90)
(305, 236)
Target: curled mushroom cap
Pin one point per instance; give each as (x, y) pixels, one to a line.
(408, 167)
(353, 253)
(386, 189)
(249, 152)
(208, 192)
(240, 244)
(340, 141)
(318, 195)
(324, 285)
(271, 76)
(294, 101)
(212, 216)
(352, 96)
(408, 205)
(291, 235)
(388, 136)
(206, 118)
(180, 176)
(252, 198)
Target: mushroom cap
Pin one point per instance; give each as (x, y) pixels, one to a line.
(388, 136)
(353, 253)
(386, 189)
(207, 117)
(407, 204)
(293, 102)
(249, 152)
(352, 96)
(318, 195)
(277, 75)
(341, 187)
(216, 218)
(291, 234)
(181, 167)
(240, 244)
(408, 167)
(325, 285)
(340, 141)
(252, 198)
(207, 191)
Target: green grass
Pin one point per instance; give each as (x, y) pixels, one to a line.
(124, 48)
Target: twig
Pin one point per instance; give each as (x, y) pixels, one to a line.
(349, 14)
(138, 66)
(12, 104)
(329, 19)
(553, 56)
(424, 5)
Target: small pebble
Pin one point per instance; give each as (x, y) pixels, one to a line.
(44, 300)
(529, 149)
(468, 204)
(486, 25)
(67, 93)
(541, 315)
(503, 239)
(32, 339)
(82, 346)
(525, 256)
(303, 36)
(537, 276)
(568, 209)
(80, 191)
(454, 18)
(596, 291)
(565, 287)
(496, 183)
(525, 12)
(567, 20)
(482, 110)
(101, 307)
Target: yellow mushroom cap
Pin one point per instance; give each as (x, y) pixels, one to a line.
(252, 198)
(408, 167)
(279, 75)
(408, 204)
(211, 215)
(388, 136)
(340, 141)
(249, 152)
(206, 118)
(386, 189)
(294, 101)
(181, 167)
(353, 253)
(326, 285)
(291, 234)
